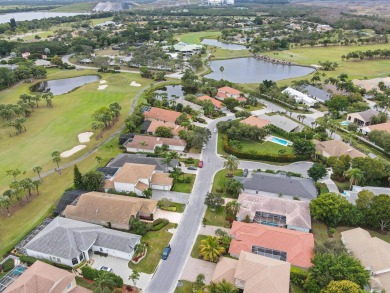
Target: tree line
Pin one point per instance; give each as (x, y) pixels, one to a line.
(367, 55)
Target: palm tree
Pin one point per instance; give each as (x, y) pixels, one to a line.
(14, 173)
(233, 207)
(222, 287)
(233, 187)
(221, 69)
(134, 277)
(5, 203)
(104, 282)
(355, 176)
(36, 184)
(38, 170)
(231, 163)
(210, 249)
(56, 158)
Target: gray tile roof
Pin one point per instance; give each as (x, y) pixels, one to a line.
(121, 159)
(317, 93)
(279, 183)
(66, 238)
(281, 122)
(367, 115)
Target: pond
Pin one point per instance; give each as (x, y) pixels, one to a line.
(22, 16)
(253, 70)
(63, 86)
(221, 45)
(171, 91)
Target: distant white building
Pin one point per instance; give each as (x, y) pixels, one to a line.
(299, 97)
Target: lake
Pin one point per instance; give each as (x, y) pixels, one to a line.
(253, 70)
(22, 16)
(221, 45)
(171, 91)
(63, 86)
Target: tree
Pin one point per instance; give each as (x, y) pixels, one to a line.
(317, 171)
(222, 70)
(56, 157)
(373, 169)
(231, 103)
(14, 173)
(77, 178)
(38, 170)
(232, 207)
(148, 193)
(27, 185)
(199, 284)
(303, 147)
(231, 164)
(222, 287)
(213, 200)
(134, 277)
(210, 249)
(5, 203)
(12, 24)
(104, 282)
(329, 267)
(164, 131)
(343, 286)
(56, 61)
(355, 176)
(233, 187)
(378, 214)
(93, 181)
(36, 184)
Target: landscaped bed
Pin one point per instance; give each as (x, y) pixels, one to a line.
(216, 218)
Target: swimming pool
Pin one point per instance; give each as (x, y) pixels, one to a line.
(345, 123)
(280, 141)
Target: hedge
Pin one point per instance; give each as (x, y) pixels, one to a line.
(8, 265)
(259, 156)
(171, 209)
(298, 276)
(159, 225)
(29, 260)
(91, 274)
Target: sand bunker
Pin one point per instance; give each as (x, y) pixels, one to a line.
(102, 87)
(133, 83)
(84, 137)
(72, 151)
(103, 81)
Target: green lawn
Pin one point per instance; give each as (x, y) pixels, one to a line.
(84, 283)
(197, 37)
(323, 188)
(220, 178)
(185, 288)
(195, 248)
(184, 187)
(216, 218)
(218, 53)
(76, 7)
(296, 289)
(157, 241)
(266, 147)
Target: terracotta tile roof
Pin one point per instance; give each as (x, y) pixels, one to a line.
(132, 173)
(41, 277)
(299, 246)
(106, 207)
(337, 148)
(162, 114)
(221, 96)
(155, 124)
(381, 127)
(144, 142)
(161, 179)
(216, 103)
(255, 121)
(242, 99)
(229, 90)
(297, 213)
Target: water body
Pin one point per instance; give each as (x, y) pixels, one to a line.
(172, 91)
(253, 70)
(22, 16)
(221, 45)
(63, 86)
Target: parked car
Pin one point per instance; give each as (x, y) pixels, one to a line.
(203, 147)
(200, 164)
(106, 269)
(215, 130)
(166, 252)
(192, 168)
(245, 172)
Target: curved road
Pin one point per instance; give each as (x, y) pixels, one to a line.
(169, 271)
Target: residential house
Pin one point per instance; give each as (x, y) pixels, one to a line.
(86, 61)
(323, 28)
(147, 144)
(185, 48)
(69, 242)
(276, 184)
(255, 121)
(228, 92)
(217, 104)
(159, 114)
(192, 105)
(292, 246)
(316, 93)
(138, 178)
(380, 127)
(44, 278)
(159, 163)
(282, 122)
(374, 253)
(254, 273)
(299, 97)
(153, 125)
(275, 211)
(111, 210)
(337, 148)
(25, 55)
(44, 63)
(67, 198)
(362, 118)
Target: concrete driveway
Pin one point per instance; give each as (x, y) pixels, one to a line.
(178, 197)
(121, 268)
(195, 267)
(173, 217)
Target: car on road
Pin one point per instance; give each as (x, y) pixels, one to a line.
(192, 168)
(245, 172)
(215, 130)
(106, 269)
(166, 252)
(200, 164)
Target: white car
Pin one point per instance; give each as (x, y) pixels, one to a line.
(215, 130)
(203, 147)
(106, 269)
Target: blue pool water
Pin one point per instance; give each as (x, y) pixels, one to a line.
(345, 123)
(280, 141)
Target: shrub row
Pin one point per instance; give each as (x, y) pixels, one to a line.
(298, 276)
(8, 265)
(171, 209)
(292, 135)
(259, 156)
(91, 274)
(29, 260)
(159, 224)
